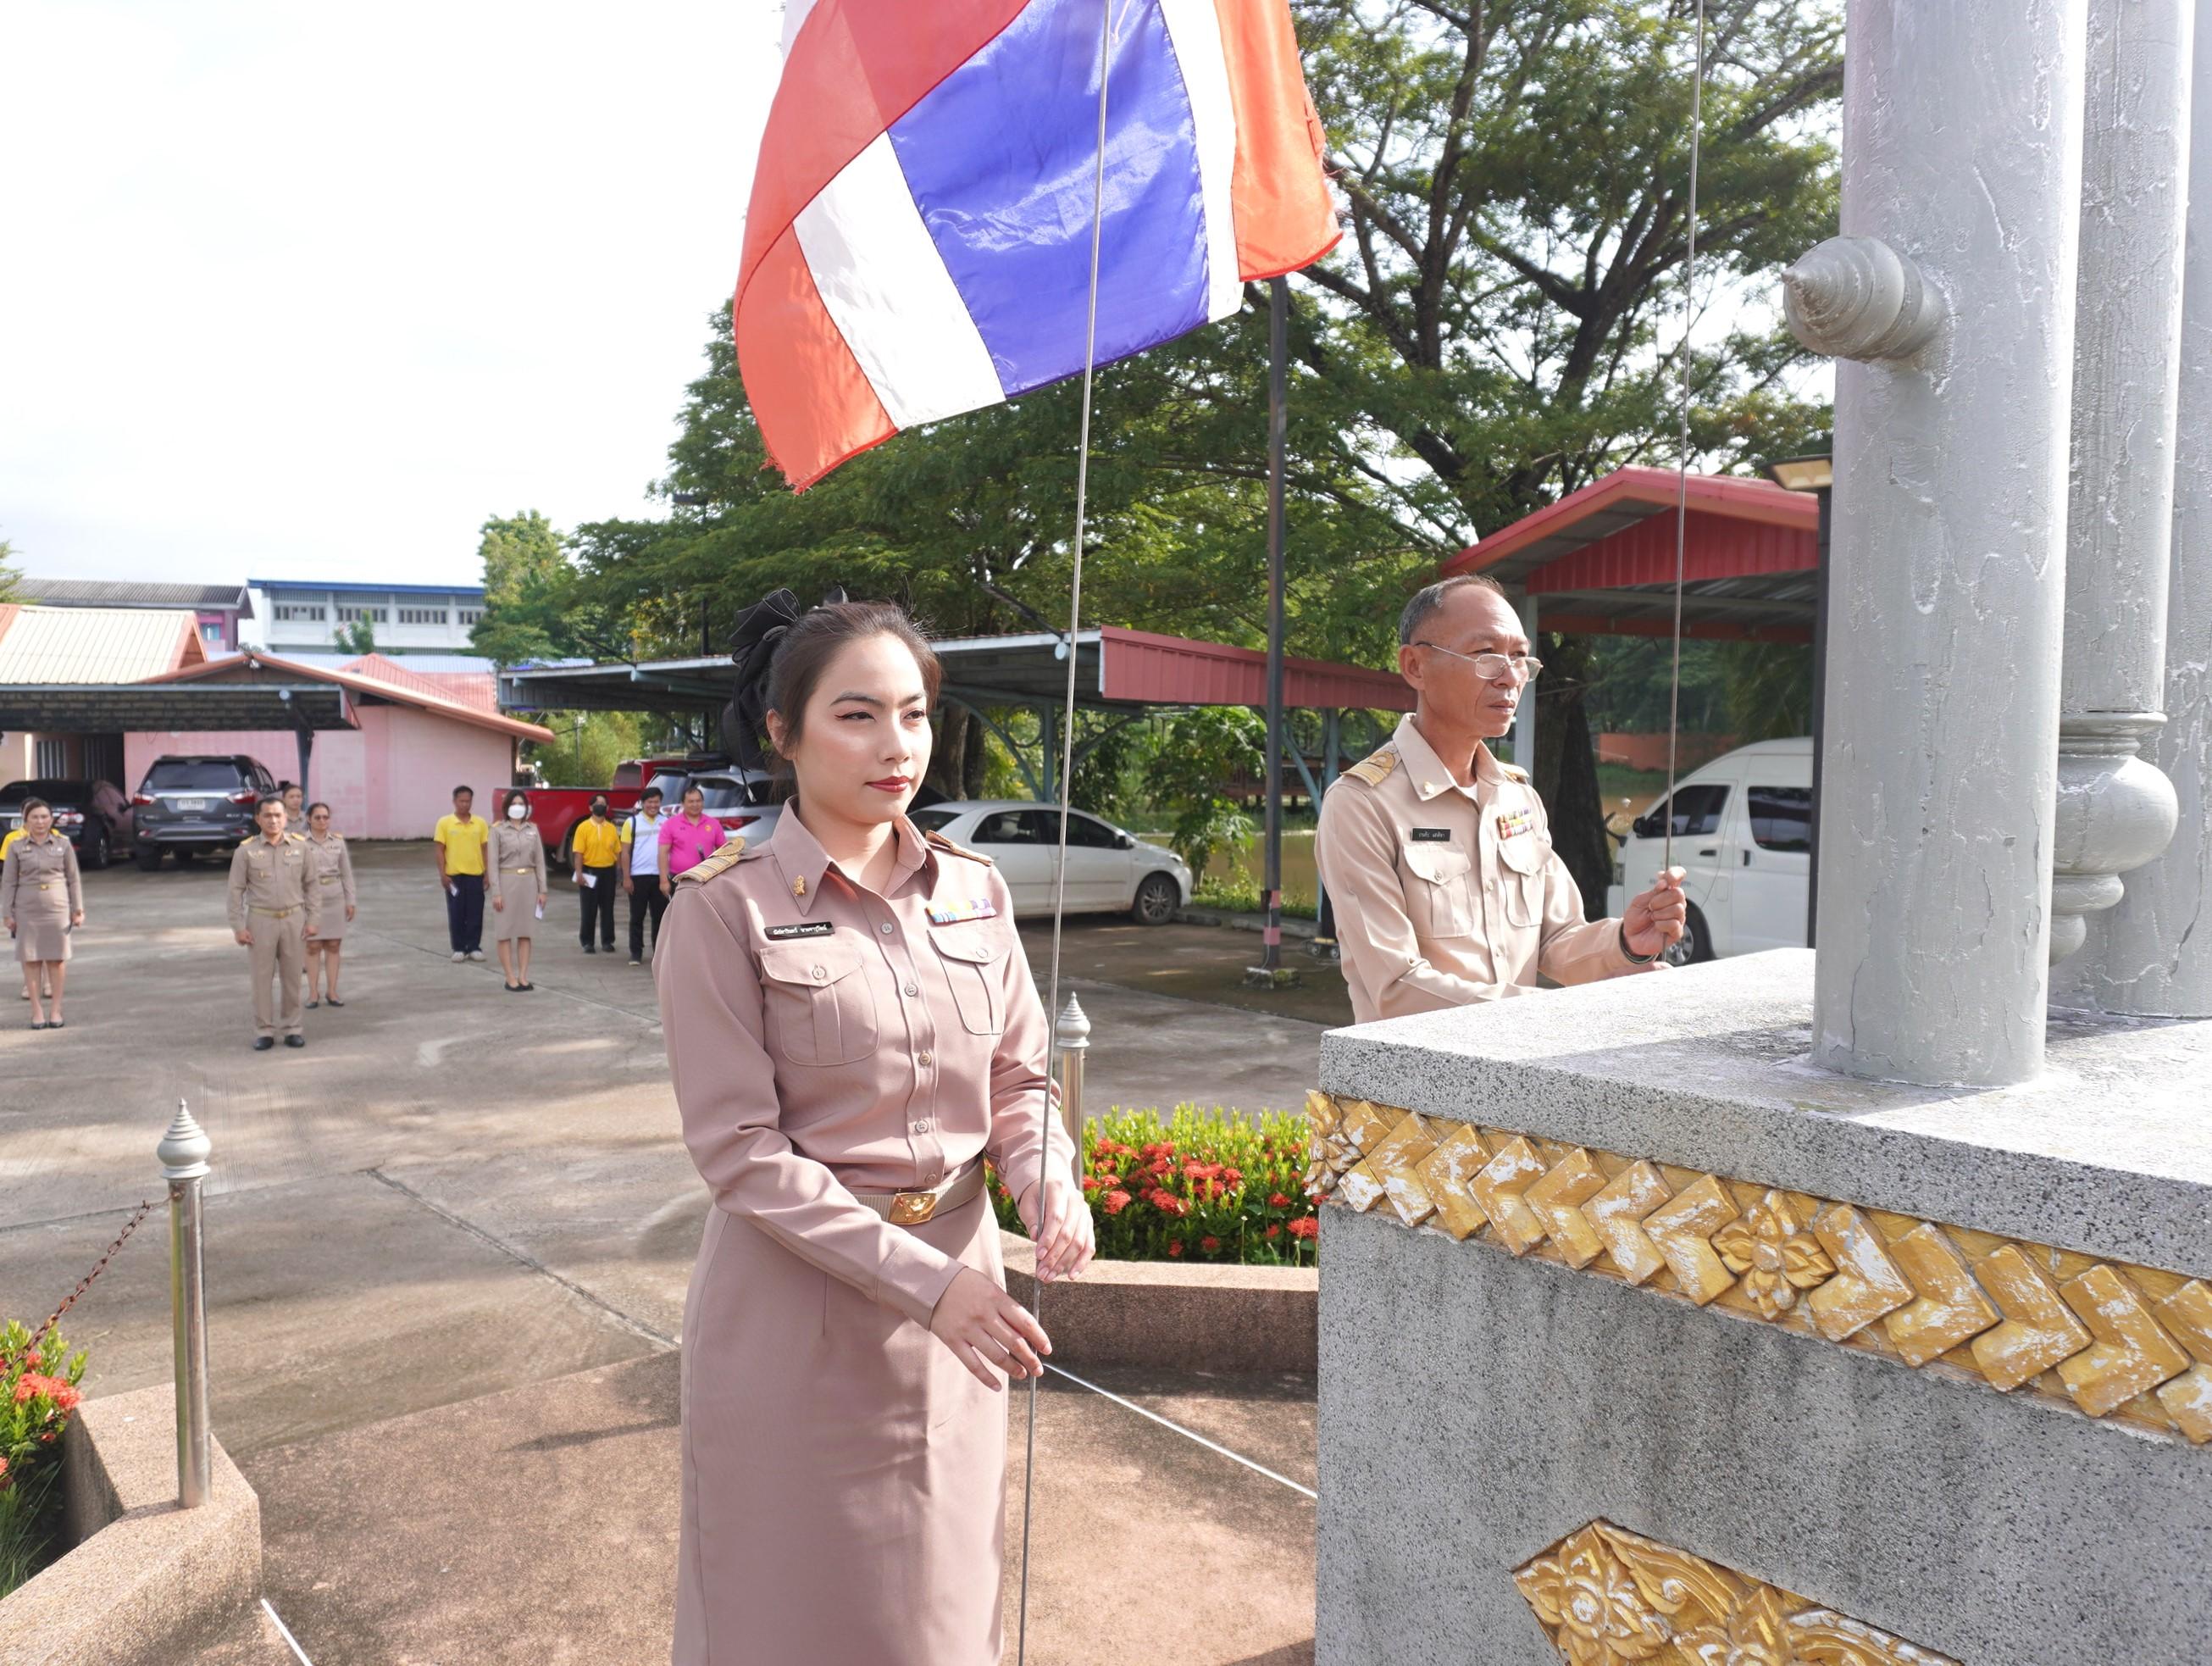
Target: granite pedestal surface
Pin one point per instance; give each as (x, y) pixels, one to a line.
(1925, 1373)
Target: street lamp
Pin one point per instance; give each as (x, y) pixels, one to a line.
(1815, 473)
(1803, 474)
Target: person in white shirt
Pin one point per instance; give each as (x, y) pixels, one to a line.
(640, 871)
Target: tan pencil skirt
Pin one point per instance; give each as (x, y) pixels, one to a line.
(42, 928)
(520, 917)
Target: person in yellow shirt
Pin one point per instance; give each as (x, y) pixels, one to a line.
(46, 990)
(461, 838)
(597, 844)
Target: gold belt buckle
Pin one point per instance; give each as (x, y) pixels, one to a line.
(912, 1208)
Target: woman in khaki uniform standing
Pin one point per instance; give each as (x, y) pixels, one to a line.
(852, 1029)
(515, 862)
(330, 868)
(41, 902)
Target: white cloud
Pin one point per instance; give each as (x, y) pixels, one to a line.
(310, 291)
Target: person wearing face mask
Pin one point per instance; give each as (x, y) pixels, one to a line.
(596, 845)
(518, 887)
(329, 869)
(41, 902)
(852, 1029)
(1438, 858)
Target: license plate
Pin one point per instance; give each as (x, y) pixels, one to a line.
(192, 806)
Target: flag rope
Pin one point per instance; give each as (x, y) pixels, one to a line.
(1682, 459)
(1066, 788)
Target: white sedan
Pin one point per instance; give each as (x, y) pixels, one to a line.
(1109, 871)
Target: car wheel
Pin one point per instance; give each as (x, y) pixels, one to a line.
(1158, 897)
(1696, 942)
(95, 854)
(149, 856)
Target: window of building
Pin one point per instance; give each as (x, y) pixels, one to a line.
(300, 612)
(211, 633)
(430, 616)
(353, 615)
(1782, 818)
(52, 759)
(469, 615)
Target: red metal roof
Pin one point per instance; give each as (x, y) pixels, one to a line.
(1141, 667)
(247, 666)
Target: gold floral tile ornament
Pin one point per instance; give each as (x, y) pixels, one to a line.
(1610, 1597)
(2115, 1340)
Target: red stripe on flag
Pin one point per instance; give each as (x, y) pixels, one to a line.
(1284, 219)
(814, 403)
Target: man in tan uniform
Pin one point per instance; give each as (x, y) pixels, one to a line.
(274, 910)
(1438, 858)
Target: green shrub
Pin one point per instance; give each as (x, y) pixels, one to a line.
(1201, 1186)
(1236, 894)
(37, 1392)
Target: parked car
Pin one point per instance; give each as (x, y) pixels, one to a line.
(94, 815)
(1743, 838)
(195, 802)
(736, 798)
(1109, 871)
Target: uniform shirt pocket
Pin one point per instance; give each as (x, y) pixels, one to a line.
(1526, 859)
(1440, 896)
(970, 961)
(819, 1003)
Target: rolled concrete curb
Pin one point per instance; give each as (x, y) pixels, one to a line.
(1227, 1320)
(1292, 926)
(146, 1582)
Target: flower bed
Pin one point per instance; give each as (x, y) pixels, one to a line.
(1199, 1187)
(37, 1392)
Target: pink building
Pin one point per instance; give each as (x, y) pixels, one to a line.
(392, 775)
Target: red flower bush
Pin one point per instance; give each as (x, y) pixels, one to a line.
(1199, 1186)
(37, 1392)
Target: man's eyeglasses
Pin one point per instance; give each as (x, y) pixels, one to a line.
(1492, 666)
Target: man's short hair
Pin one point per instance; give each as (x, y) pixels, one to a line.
(270, 798)
(649, 793)
(1429, 598)
(470, 791)
(696, 787)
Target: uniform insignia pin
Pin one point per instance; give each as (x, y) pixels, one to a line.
(799, 886)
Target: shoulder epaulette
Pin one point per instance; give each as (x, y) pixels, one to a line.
(297, 838)
(1514, 772)
(707, 867)
(945, 844)
(1374, 769)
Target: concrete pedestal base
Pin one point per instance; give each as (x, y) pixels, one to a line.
(1929, 1369)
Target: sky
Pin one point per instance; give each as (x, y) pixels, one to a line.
(309, 291)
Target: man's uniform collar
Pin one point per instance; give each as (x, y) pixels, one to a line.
(1425, 771)
(801, 860)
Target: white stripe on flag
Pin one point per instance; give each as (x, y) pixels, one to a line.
(1196, 27)
(887, 286)
(795, 14)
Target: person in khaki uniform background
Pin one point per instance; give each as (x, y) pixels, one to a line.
(330, 870)
(46, 989)
(1438, 859)
(41, 902)
(852, 1027)
(274, 912)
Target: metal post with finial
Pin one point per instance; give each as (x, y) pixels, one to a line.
(1073, 1035)
(183, 1153)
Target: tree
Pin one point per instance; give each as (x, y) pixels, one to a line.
(9, 575)
(525, 594)
(355, 636)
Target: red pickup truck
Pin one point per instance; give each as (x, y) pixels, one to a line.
(558, 810)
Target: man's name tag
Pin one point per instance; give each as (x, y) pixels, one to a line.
(812, 928)
(1436, 835)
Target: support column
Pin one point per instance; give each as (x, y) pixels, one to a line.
(1953, 291)
(2115, 811)
(2155, 958)
(1524, 720)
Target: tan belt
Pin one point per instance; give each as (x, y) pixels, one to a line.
(274, 914)
(912, 1208)
(518, 870)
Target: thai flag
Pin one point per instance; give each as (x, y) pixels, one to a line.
(919, 238)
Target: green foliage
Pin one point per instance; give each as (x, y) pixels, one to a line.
(1769, 690)
(37, 1392)
(527, 593)
(1239, 893)
(1206, 751)
(588, 745)
(9, 575)
(1202, 1186)
(356, 637)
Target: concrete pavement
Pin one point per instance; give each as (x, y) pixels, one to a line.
(448, 1248)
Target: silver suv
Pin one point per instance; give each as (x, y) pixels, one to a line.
(196, 803)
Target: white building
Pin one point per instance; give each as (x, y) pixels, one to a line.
(294, 616)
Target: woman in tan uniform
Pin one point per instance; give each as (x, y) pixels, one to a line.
(330, 868)
(514, 873)
(852, 1029)
(41, 902)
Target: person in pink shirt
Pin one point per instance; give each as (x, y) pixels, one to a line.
(688, 838)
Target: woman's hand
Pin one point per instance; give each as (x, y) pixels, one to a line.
(498, 903)
(987, 1330)
(349, 911)
(1070, 1241)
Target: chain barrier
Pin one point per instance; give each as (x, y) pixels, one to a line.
(84, 1284)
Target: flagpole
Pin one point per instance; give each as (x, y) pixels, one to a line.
(1271, 953)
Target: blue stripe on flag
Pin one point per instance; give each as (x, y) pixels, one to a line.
(1000, 157)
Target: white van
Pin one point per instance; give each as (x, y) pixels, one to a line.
(1743, 828)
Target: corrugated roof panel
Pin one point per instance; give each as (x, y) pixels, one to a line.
(80, 645)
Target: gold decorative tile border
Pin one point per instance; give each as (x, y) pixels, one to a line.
(2115, 1340)
(1610, 1597)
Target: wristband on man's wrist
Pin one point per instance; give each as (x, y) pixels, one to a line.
(1638, 959)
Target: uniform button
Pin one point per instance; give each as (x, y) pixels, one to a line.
(819, 975)
(921, 1127)
(924, 1058)
(913, 989)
